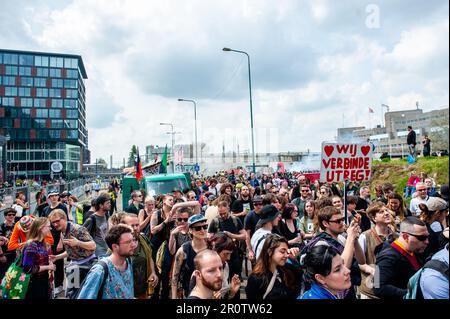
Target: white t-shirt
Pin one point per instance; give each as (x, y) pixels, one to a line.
(257, 238)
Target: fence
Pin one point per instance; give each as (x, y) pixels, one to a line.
(8, 195)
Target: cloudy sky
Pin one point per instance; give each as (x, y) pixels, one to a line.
(315, 65)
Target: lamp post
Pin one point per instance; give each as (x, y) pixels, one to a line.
(195, 120)
(251, 106)
(173, 142)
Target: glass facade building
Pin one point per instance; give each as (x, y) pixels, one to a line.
(43, 110)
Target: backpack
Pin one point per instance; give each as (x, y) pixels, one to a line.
(414, 290)
(102, 285)
(94, 225)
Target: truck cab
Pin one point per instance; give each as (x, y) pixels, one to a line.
(154, 185)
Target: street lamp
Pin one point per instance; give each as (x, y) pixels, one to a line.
(195, 120)
(173, 142)
(251, 106)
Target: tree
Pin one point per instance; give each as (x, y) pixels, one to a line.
(131, 158)
(101, 162)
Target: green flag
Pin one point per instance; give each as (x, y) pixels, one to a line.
(163, 165)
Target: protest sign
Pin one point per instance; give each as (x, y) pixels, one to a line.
(345, 162)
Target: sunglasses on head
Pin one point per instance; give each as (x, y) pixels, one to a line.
(182, 219)
(199, 228)
(419, 237)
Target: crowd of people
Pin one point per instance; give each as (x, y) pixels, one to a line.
(232, 236)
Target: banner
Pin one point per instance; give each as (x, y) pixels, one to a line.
(345, 162)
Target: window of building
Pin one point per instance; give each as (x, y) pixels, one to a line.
(54, 113)
(24, 91)
(72, 114)
(25, 59)
(9, 80)
(8, 101)
(71, 84)
(26, 113)
(39, 123)
(53, 61)
(57, 83)
(40, 82)
(25, 81)
(10, 91)
(42, 113)
(72, 134)
(42, 134)
(72, 74)
(42, 71)
(57, 124)
(70, 104)
(39, 103)
(11, 70)
(55, 73)
(25, 123)
(24, 71)
(71, 124)
(26, 102)
(72, 94)
(10, 58)
(41, 92)
(57, 103)
(55, 93)
(55, 134)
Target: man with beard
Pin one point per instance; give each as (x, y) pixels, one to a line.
(243, 205)
(112, 277)
(208, 274)
(144, 275)
(79, 249)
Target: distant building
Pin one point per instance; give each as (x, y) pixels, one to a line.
(43, 110)
(391, 139)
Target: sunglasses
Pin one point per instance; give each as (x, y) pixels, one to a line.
(337, 221)
(419, 237)
(182, 219)
(10, 214)
(257, 204)
(199, 228)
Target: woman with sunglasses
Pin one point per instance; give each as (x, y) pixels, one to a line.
(36, 260)
(180, 234)
(273, 277)
(183, 266)
(327, 273)
(6, 229)
(288, 226)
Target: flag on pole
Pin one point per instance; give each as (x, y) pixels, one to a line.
(370, 110)
(163, 165)
(139, 174)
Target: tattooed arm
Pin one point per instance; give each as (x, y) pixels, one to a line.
(179, 259)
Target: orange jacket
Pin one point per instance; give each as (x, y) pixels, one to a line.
(18, 237)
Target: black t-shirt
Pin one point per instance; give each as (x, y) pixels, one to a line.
(250, 222)
(240, 204)
(361, 204)
(225, 225)
(286, 232)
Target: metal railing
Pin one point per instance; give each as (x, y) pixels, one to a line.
(8, 195)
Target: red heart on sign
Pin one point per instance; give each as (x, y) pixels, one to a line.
(365, 150)
(328, 150)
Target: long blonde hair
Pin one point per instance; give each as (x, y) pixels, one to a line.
(35, 233)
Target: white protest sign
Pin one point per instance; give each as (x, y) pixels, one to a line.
(345, 162)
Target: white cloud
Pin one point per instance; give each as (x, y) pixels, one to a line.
(313, 65)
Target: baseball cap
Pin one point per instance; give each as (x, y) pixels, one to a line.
(268, 213)
(53, 192)
(196, 219)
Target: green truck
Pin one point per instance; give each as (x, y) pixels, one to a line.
(154, 185)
